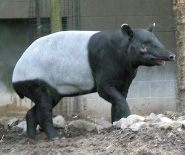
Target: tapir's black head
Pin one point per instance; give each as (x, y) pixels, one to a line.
(144, 48)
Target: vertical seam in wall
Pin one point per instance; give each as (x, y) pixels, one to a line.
(150, 89)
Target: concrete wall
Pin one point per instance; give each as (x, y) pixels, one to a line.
(14, 39)
(154, 88)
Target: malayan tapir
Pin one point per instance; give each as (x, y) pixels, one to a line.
(73, 63)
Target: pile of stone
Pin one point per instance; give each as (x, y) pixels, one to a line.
(18, 124)
(136, 122)
(133, 122)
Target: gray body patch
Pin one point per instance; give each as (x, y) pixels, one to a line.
(60, 59)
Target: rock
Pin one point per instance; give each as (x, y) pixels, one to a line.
(159, 121)
(99, 128)
(179, 129)
(183, 123)
(180, 119)
(4, 122)
(165, 120)
(138, 126)
(81, 125)
(171, 114)
(123, 126)
(102, 122)
(156, 124)
(20, 127)
(152, 118)
(133, 118)
(130, 120)
(13, 122)
(161, 115)
(59, 122)
(172, 125)
(118, 123)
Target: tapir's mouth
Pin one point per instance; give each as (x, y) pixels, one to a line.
(160, 62)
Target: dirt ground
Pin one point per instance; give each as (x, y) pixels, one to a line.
(147, 141)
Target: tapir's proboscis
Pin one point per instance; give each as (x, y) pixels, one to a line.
(72, 63)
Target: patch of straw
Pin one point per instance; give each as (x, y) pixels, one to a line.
(2, 139)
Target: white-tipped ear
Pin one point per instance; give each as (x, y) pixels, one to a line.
(126, 30)
(151, 28)
(124, 25)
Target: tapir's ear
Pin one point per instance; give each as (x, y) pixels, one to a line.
(127, 30)
(151, 28)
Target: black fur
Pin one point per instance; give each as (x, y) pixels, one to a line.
(112, 69)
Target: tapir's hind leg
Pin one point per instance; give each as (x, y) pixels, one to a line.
(45, 98)
(44, 117)
(33, 118)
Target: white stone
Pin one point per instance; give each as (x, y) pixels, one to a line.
(99, 128)
(183, 123)
(103, 122)
(123, 126)
(179, 129)
(20, 127)
(81, 125)
(158, 121)
(172, 125)
(152, 118)
(161, 115)
(119, 123)
(165, 120)
(125, 123)
(59, 122)
(13, 122)
(152, 115)
(135, 118)
(157, 125)
(138, 126)
(180, 119)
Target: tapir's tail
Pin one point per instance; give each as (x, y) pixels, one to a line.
(18, 89)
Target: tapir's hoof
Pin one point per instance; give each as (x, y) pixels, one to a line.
(57, 137)
(30, 136)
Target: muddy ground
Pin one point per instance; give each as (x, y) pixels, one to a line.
(147, 141)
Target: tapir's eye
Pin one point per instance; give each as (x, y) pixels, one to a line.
(143, 49)
(143, 46)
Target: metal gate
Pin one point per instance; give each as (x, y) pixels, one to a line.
(39, 17)
(39, 25)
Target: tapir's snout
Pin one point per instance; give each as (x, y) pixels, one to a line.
(160, 60)
(169, 56)
(172, 57)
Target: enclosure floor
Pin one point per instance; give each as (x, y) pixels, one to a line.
(148, 141)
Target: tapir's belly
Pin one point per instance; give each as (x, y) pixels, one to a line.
(60, 59)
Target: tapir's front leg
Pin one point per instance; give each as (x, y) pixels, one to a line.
(120, 106)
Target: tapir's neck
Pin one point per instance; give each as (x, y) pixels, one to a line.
(133, 63)
(130, 61)
(132, 58)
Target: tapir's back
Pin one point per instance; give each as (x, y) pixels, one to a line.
(59, 59)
